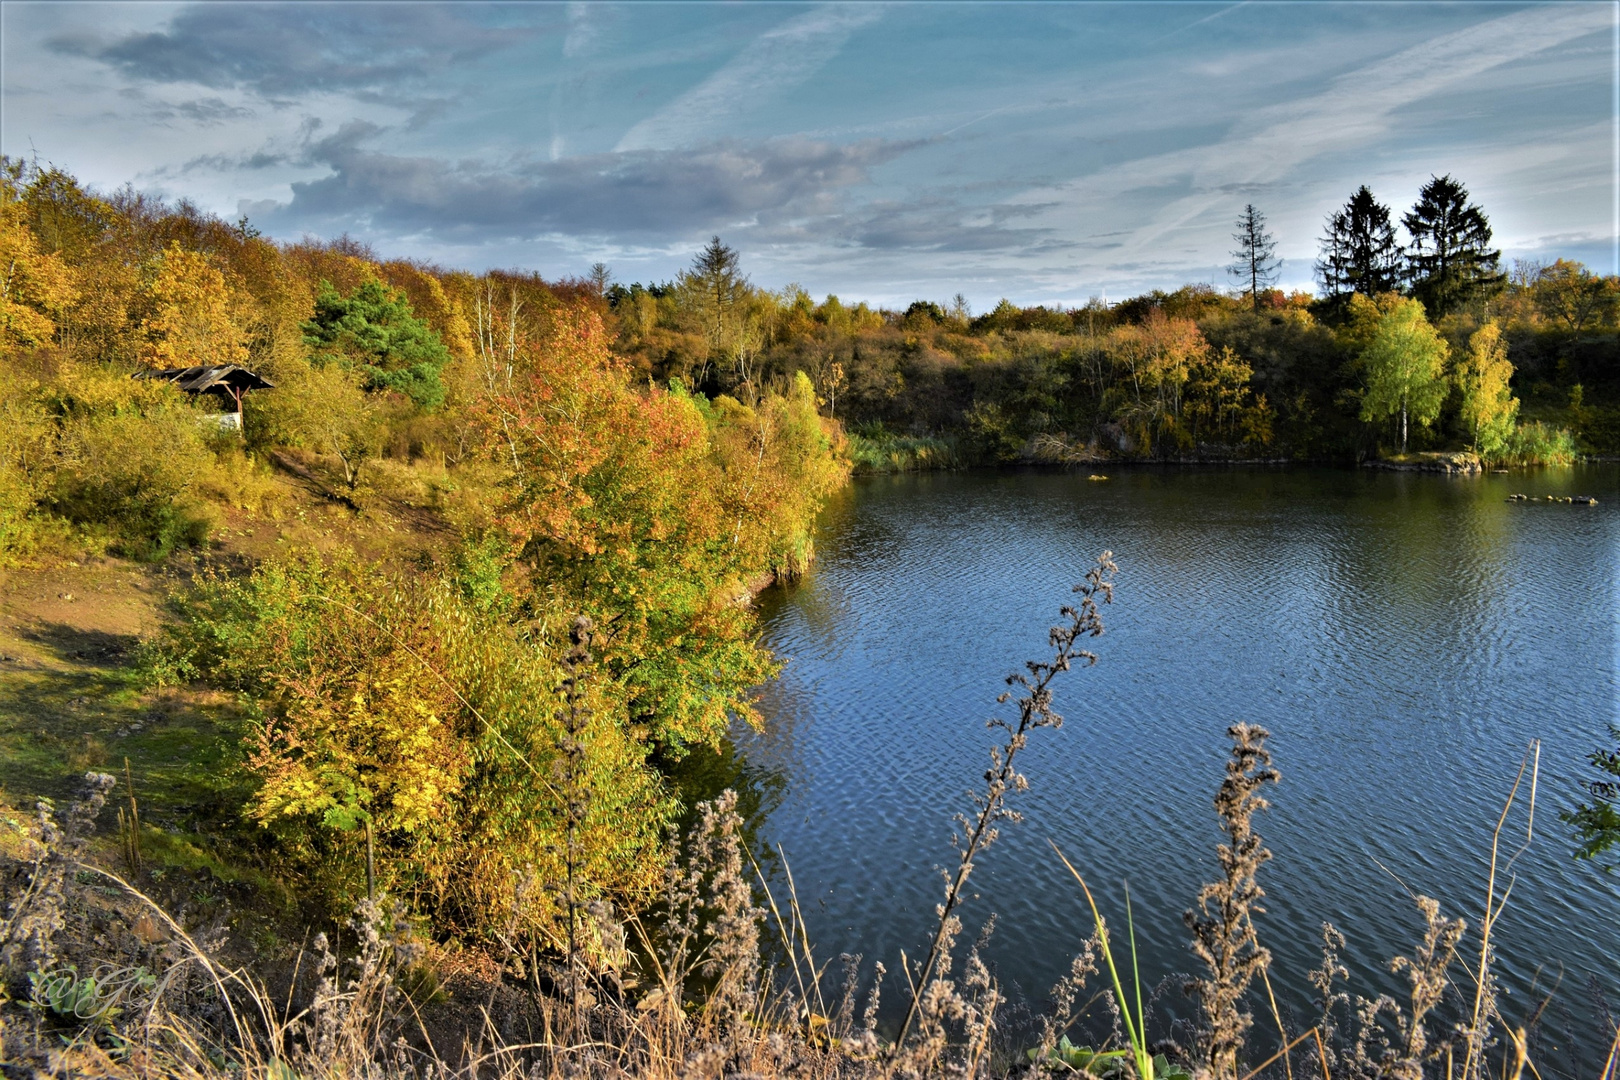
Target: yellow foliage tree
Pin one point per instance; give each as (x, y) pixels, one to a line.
(1365, 315)
(1220, 402)
(395, 705)
(778, 463)
(191, 320)
(33, 285)
(1151, 363)
(1489, 409)
(1404, 366)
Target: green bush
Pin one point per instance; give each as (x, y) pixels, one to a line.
(1600, 429)
(132, 473)
(321, 409)
(117, 457)
(19, 524)
(27, 445)
(1537, 443)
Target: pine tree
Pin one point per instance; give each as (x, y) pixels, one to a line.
(375, 331)
(1359, 252)
(717, 291)
(1254, 264)
(1451, 259)
(717, 270)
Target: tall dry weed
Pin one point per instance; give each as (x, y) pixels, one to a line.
(1224, 938)
(1331, 1001)
(1399, 1049)
(36, 914)
(979, 830)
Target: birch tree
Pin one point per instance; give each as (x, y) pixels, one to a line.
(1405, 365)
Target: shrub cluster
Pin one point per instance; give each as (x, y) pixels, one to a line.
(124, 460)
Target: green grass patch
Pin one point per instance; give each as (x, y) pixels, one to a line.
(875, 450)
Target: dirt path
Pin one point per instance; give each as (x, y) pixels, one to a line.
(71, 695)
(71, 699)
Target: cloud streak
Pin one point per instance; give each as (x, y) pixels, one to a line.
(775, 61)
(1355, 110)
(1035, 151)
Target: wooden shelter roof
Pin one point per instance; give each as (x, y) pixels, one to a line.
(204, 378)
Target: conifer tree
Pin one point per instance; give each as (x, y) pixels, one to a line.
(1255, 263)
(1450, 260)
(375, 331)
(717, 280)
(1359, 252)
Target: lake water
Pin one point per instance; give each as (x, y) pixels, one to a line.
(1404, 637)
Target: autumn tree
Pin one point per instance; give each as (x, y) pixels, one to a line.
(775, 457)
(1254, 262)
(401, 707)
(190, 321)
(613, 503)
(95, 240)
(65, 218)
(337, 417)
(34, 285)
(1489, 409)
(1404, 367)
(1151, 363)
(1220, 402)
(1359, 252)
(1568, 293)
(274, 302)
(1450, 259)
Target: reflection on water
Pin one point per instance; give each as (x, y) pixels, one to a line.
(1402, 636)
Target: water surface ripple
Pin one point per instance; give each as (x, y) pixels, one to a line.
(1402, 636)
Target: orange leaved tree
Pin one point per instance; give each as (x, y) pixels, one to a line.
(615, 504)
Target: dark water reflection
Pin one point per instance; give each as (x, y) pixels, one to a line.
(1402, 636)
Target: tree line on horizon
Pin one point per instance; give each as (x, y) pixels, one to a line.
(1193, 373)
(1426, 344)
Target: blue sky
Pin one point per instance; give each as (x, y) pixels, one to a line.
(1043, 152)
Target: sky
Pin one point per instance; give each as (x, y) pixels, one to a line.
(1046, 153)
